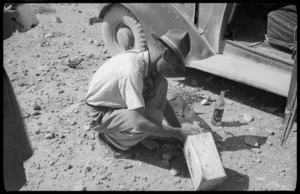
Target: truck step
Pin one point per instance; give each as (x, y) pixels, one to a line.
(253, 74)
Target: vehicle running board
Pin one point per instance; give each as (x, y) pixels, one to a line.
(252, 74)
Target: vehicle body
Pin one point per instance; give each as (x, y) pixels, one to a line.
(208, 25)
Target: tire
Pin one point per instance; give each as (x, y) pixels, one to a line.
(118, 21)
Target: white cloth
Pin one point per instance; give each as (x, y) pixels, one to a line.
(118, 83)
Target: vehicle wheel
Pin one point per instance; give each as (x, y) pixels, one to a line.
(121, 31)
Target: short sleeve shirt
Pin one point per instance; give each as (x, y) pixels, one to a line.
(118, 83)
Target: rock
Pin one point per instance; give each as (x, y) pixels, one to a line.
(87, 128)
(269, 143)
(62, 136)
(252, 141)
(167, 156)
(150, 144)
(174, 172)
(128, 166)
(92, 147)
(69, 166)
(49, 35)
(75, 62)
(256, 150)
(36, 112)
(60, 91)
(205, 102)
(260, 179)
(87, 169)
(49, 136)
(103, 177)
(72, 122)
(91, 41)
(248, 118)
(270, 132)
(52, 163)
(37, 132)
(36, 107)
(258, 160)
(57, 19)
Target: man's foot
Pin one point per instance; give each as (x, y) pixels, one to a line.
(111, 151)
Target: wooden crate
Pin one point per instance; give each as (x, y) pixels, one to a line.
(203, 161)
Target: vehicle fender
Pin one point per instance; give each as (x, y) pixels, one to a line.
(161, 17)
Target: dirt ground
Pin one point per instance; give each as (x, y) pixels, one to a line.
(51, 66)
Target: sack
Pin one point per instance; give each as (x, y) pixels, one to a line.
(282, 25)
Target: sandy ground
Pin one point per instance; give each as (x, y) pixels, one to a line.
(67, 155)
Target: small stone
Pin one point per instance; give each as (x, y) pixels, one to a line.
(69, 166)
(57, 19)
(205, 102)
(37, 132)
(72, 122)
(91, 41)
(258, 160)
(87, 128)
(256, 150)
(52, 163)
(248, 118)
(36, 112)
(49, 35)
(88, 169)
(49, 136)
(60, 91)
(92, 147)
(167, 156)
(103, 177)
(128, 166)
(36, 107)
(150, 144)
(269, 143)
(174, 172)
(252, 141)
(62, 136)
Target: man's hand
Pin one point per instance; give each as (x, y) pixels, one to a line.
(190, 131)
(10, 24)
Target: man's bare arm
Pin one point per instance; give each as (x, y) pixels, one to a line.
(170, 115)
(144, 125)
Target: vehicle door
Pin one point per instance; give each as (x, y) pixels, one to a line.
(212, 22)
